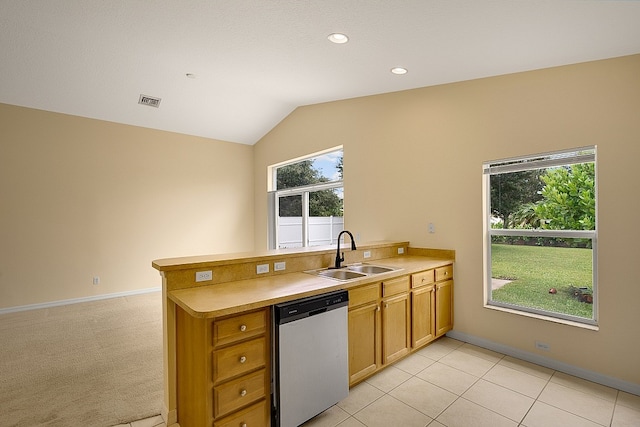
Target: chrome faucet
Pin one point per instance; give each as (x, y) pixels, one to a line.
(339, 258)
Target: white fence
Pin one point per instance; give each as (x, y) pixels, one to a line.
(322, 231)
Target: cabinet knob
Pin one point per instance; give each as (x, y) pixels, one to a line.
(243, 392)
(386, 306)
(243, 359)
(243, 424)
(243, 328)
(377, 308)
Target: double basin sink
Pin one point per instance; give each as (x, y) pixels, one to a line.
(351, 272)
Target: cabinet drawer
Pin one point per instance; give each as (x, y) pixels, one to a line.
(364, 294)
(238, 393)
(395, 286)
(236, 328)
(444, 273)
(238, 359)
(421, 279)
(253, 416)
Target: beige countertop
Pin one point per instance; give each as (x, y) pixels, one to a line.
(237, 296)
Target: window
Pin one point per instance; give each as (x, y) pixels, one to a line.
(541, 234)
(306, 201)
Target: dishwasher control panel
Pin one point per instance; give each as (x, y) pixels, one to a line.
(310, 306)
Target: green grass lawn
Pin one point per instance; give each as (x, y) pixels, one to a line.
(534, 270)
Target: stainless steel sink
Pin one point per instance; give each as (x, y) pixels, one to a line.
(340, 274)
(351, 272)
(369, 269)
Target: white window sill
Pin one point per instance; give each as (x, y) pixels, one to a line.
(542, 317)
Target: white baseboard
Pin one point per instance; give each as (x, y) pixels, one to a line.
(548, 362)
(77, 300)
(170, 417)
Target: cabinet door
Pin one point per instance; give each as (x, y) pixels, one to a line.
(444, 307)
(395, 327)
(422, 316)
(364, 341)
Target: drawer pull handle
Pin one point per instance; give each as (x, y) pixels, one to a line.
(243, 425)
(243, 359)
(243, 392)
(243, 328)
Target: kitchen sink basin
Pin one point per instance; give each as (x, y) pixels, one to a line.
(369, 269)
(351, 272)
(340, 274)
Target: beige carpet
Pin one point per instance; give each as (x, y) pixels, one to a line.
(87, 364)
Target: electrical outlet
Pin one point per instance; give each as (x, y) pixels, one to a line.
(203, 276)
(432, 228)
(366, 254)
(543, 346)
(262, 268)
(400, 251)
(279, 266)
(96, 280)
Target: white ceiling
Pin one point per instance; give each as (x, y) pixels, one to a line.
(255, 61)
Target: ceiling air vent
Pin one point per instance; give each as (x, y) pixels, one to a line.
(149, 100)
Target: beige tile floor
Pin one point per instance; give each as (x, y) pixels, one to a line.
(453, 384)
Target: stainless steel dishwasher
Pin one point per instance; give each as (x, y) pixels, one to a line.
(311, 362)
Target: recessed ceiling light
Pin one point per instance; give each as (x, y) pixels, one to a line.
(338, 38)
(399, 70)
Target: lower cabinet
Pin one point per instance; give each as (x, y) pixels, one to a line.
(364, 332)
(379, 326)
(364, 341)
(390, 319)
(422, 316)
(444, 307)
(223, 368)
(396, 319)
(444, 299)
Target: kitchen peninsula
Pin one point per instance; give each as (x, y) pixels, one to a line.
(217, 321)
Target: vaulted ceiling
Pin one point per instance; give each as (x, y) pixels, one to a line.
(232, 69)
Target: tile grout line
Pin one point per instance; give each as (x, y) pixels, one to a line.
(536, 398)
(615, 405)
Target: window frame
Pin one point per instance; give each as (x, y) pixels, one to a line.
(536, 162)
(304, 191)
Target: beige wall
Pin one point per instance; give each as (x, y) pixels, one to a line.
(83, 198)
(415, 157)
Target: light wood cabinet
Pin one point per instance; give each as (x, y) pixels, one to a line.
(364, 332)
(423, 302)
(431, 305)
(444, 302)
(379, 326)
(223, 368)
(364, 341)
(396, 319)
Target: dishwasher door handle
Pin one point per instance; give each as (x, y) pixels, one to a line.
(318, 311)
